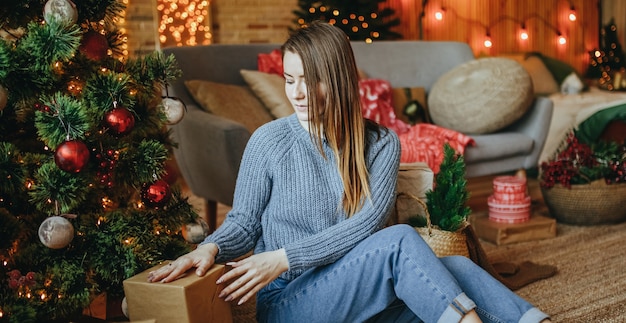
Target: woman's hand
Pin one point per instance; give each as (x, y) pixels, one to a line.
(251, 274)
(201, 258)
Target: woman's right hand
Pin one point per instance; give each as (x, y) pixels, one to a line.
(202, 258)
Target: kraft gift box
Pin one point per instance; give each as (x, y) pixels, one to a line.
(189, 299)
(536, 228)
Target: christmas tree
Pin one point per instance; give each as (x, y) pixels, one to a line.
(84, 149)
(360, 20)
(610, 58)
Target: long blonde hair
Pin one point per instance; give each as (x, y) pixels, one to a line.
(328, 60)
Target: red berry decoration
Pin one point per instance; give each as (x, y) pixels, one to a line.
(156, 194)
(94, 45)
(71, 156)
(120, 120)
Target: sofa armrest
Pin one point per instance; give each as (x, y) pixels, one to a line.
(535, 124)
(209, 152)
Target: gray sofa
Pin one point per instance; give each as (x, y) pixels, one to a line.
(210, 147)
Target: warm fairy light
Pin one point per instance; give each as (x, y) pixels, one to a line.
(106, 203)
(43, 296)
(184, 22)
(523, 34)
(572, 14)
(562, 40)
(488, 42)
(439, 15)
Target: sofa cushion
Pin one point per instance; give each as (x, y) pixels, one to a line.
(234, 102)
(270, 89)
(481, 96)
(498, 146)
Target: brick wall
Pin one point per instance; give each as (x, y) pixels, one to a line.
(252, 21)
(232, 21)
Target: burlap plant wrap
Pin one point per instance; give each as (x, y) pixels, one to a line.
(443, 243)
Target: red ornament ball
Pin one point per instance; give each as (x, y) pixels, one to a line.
(94, 45)
(71, 156)
(120, 120)
(156, 194)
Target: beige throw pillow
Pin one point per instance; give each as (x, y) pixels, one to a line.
(481, 96)
(270, 89)
(543, 81)
(234, 102)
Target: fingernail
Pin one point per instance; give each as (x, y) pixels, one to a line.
(241, 301)
(219, 281)
(229, 298)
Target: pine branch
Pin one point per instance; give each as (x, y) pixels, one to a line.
(56, 191)
(68, 120)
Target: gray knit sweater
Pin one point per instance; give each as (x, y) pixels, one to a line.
(288, 196)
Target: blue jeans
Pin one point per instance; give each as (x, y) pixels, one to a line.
(393, 276)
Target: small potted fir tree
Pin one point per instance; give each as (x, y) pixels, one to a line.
(447, 216)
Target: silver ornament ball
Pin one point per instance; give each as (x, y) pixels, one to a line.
(56, 232)
(125, 307)
(196, 232)
(61, 10)
(174, 110)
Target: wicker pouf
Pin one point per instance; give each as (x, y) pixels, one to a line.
(587, 204)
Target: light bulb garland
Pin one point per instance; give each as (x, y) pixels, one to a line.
(441, 12)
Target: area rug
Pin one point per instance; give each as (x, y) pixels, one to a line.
(590, 285)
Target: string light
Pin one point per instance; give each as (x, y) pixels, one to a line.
(523, 33)
(439, 14)
(562, 40)
(184, 22)
(572, 13)
(487, 41)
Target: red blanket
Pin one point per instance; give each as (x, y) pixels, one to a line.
(422, 142)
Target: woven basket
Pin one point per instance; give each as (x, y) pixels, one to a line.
(443, 243)
(587, 204)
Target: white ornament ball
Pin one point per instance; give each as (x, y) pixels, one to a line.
(174, 109)
(56, 232)
(4, 98)
(196, 232)
(62, 10)
(125, 307)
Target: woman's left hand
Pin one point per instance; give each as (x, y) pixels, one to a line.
(251, 274)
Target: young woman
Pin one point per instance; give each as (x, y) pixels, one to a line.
(313, 194)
